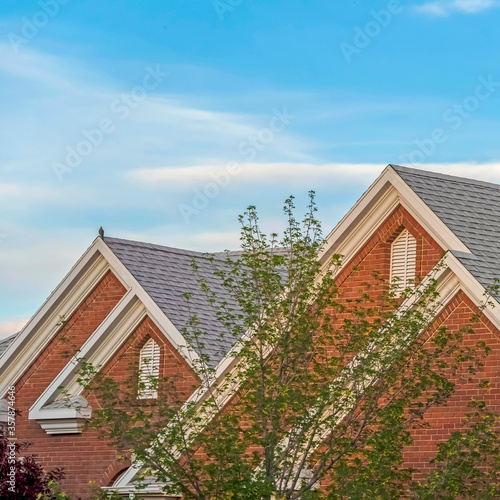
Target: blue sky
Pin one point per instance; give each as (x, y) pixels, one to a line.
(127, 114)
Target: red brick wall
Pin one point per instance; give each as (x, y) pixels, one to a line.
(444, 420)
(376, 253)
(357, 276)
(84, 457)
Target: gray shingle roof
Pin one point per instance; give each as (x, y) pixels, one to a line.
(166, 274)
(471, 209)
(5, 343)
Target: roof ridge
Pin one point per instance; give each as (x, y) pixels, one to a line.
(154, 246)
(164, 248)
(448, 177)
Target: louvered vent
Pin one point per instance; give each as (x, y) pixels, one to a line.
(403, 261)
(149, 366)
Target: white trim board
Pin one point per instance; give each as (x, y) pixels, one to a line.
(63, 301)
(372, 209)
(168, 329)
(106, 340)
(66, 298)
(111, 333)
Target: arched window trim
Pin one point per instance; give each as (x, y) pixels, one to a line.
(149, 366)
(403, 261)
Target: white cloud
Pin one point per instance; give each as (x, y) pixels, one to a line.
(11, 327)
(442, 8)
(40, 68)
(282, 173)
(20, 191)
(300, 174)
(489, 172)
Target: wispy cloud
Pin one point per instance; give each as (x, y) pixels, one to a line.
(11, 327)
(443, 8)
(282, 173)
(296, 174)
(169, 145)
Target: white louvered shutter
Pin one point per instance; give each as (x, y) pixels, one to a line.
(149, 366)
(403, 260)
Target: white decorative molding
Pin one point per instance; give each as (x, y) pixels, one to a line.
(98, 350)
(372, 209)
(46, 322)
(151, 491)
(65, 416)
(71, 425)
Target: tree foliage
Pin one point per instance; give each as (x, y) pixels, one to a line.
(324, 387)
(21, 476)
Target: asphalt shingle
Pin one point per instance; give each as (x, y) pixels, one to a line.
(471, 209)
(166, 274)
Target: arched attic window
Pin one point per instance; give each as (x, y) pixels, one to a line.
(149, 370)
(403, 261)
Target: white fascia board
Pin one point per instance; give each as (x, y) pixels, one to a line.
(42, 327)
(371, 210)
(364, 219)
(98, 349)
(125, 480)
(157, 315)
(109, 336)
(474, 290)
(108, 340)
(439, 231)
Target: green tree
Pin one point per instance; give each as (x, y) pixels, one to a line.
(324, 389)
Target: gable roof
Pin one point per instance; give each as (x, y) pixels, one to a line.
(470, 208)
(467, 207)
(452, 209)
(166, 274)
